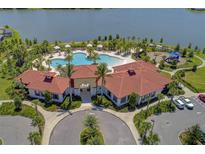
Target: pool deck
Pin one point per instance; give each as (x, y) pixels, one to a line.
(62, 55)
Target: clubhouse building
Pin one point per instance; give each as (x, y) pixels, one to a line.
(139, 77)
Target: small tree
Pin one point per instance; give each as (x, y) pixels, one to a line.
(91, 122)
(160, 96)
(184, 52)
(203, 51)
(132, 100)
(48, 97)
(161, 40)
(152, 139)
(18, 103)
(177, 48)
(161, 64)
(189, 46)
(37, 121)
(35, 138)
(194, 68)
(191, 54)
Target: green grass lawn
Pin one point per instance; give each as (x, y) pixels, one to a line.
(197, 79)
(200, 54)
(191, 62)
(4, 84)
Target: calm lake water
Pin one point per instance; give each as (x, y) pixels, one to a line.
(174, 25)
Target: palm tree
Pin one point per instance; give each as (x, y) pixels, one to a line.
(95, 57)
(148, 102)
(91, 122)
(160, 96)
(48, 62)
(69, 72)
(102, 70)
(69, 57)
(144, 127)
(90, 51)
(35, 138)
(153, 139)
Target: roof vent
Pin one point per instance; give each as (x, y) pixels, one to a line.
(131, 72)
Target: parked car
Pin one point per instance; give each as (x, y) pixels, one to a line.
(179, 104)
(188, 103)
(202, 97)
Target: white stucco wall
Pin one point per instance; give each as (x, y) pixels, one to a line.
(32, 94)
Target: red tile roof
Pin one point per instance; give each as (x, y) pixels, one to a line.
(144, 80)
(36, 80)
(84, 71)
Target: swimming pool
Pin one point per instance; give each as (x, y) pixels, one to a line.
(81, 59)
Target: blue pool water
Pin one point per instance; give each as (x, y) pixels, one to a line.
(81, 59)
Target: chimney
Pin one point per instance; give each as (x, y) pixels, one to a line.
(131, 72)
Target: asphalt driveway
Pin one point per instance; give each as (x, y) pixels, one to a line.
(14, 130)
(115, 131)
(169, 125)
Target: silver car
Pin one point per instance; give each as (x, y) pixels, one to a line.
(188, 103)
(179, 103)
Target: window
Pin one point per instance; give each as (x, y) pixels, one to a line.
(123, 100)
(37, 93)
(55, 96)
(109, 93)
(114, 98)
(152, 94)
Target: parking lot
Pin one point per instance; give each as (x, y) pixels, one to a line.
(14, 130)
(169, 125)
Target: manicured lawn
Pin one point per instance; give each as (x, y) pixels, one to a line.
(4, 84)
(200, 54)
(106, 103)
(27, 111)
(191, 62)
(196, 79)
(53, 107)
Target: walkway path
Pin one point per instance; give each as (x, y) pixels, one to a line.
(174, 71)
(52, 118)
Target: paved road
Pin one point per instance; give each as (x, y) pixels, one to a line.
(113, 129)
(169, 125)
(14, 130)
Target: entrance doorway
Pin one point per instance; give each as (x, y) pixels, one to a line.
(85, 93)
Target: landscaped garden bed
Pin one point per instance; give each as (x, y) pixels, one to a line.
(145, 128)
(91, 134)
(103, 101)
(65, 105)
(5, 84)
(9, 108)
(192, 136)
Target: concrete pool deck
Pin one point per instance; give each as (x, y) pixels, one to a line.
(62, 55)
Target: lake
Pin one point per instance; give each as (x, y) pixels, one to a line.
(174, 25)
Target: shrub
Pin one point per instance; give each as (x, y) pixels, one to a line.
(35, 138)
(1, 141)
(52, 108)
(91, 134)
(102, 101)
(18, 103)
(68, 105)
(194, 68)
(143, 126)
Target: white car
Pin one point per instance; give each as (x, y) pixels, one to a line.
(179, 103)
(188, 103)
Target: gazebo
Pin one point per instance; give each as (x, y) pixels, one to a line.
(99, 47)
(89, 45)
(67, 46)
(57, 48)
